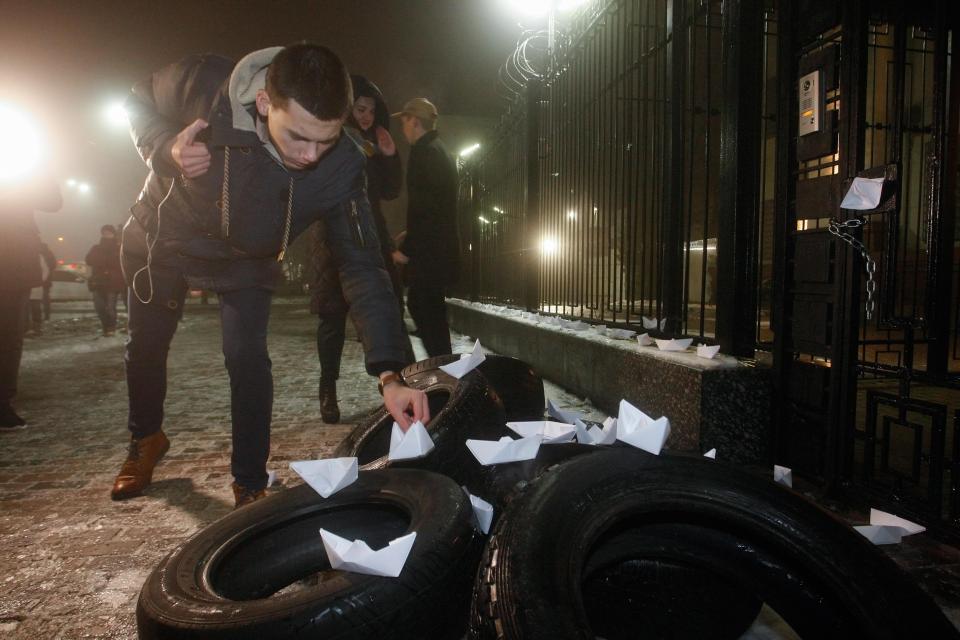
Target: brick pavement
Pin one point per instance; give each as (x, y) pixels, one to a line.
(72, 561)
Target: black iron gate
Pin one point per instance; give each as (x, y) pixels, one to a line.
(864, 347)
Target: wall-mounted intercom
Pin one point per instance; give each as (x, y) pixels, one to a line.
(811, 103)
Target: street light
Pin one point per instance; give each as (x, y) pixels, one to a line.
(83, 187)
(116, 115)
(467, 151)
(22, 146)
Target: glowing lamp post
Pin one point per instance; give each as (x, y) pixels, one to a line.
(22, 147)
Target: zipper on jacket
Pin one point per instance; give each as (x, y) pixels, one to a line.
(355, 215)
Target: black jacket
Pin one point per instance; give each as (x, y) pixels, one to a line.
(433, 241)
(187, 228)
(20, 247)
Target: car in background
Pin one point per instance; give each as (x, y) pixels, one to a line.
(69, 282)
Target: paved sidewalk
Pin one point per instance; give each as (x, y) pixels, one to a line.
(72, 561)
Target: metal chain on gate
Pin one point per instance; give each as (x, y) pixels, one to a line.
(836, 228)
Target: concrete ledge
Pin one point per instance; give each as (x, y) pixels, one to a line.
(720, 403)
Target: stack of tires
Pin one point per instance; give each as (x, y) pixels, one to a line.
(587, 542)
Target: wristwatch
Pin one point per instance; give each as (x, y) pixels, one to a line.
(389, 379)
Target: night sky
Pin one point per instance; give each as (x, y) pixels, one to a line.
(65, 61)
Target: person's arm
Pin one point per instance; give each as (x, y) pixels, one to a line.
(163, 106)
(350, 236)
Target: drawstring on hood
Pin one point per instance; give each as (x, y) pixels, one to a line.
(248, 77)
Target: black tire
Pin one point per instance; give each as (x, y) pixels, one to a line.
(514, 381)
(224, 581)
(623, 593)
(824, 579)
(460, 409)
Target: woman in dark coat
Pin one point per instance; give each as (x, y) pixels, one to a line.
(371, 118)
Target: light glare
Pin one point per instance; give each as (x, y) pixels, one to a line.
(116, 115)
(22, 146)
(466, 151)
(549, 246)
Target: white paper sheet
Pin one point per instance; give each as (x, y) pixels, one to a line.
(674, 344)
(562, 415)
(358, 557)
(328, 476)
(506, 449)
(783, 475)
(644, 340)
(863, 194)
(415, 443)
(467, 362)
(607, 434)
(482, 511)
(549, 432)
(878, 534)
(271, 478)
(640, 430)
(706, 351)
(712, 454)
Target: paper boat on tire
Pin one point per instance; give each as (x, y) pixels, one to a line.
(415, 443)
(562, 415)
(358, 557)
(597, 435)
(326, 477)
(506, 449)
(550, 432)
(640, 430)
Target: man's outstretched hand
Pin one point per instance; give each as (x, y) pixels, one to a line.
(406, 405)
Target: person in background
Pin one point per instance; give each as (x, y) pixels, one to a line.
(51, 260)
(370, 118)
(35, 310)
(431, 248)
(106, 282)
(19, 272)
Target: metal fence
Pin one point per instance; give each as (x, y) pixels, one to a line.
(599, 196)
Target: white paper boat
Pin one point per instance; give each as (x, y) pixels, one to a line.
(562, 415)
(482, 512)
(467, 362)
(595, 435)
(506, 449)
(640, 430)
(651, 323)
(644, 340)
(783, 475)
(549, 432)
(675, 344)
(620, 334)
(415, 443)
(706, 351)
(328, 476)
(357, 557)
(712, 454)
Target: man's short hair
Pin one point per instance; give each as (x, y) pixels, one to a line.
(313, 76)
(428, 124)
(108, 227)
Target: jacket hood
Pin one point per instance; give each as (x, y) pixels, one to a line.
(249, 76)
(363, 88)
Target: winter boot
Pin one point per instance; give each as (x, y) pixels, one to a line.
(329, 410)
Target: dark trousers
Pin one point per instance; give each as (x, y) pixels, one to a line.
(105, 303)
(13, 306)
(244, 316)
(427, 306)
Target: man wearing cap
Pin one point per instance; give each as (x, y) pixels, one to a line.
(431, 249)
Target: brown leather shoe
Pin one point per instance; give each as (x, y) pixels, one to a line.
(243, 496)
(329, 410)
(137, 471)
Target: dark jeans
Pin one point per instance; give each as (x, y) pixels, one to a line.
(105, 303)
(13, 305)
(428, 309)
(244, 316)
